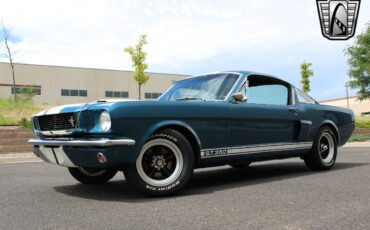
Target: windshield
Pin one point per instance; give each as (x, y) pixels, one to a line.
(208, 87)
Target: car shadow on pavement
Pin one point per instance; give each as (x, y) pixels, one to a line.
(203, 181)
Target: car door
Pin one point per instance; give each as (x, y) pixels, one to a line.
(265, 117)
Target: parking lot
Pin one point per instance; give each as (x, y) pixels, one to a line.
(268, 195)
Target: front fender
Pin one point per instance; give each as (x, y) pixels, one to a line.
(163, 124)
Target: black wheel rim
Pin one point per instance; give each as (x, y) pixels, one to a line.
(159, 162)
(165, 157)
(326, 148)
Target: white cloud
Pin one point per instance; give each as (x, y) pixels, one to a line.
(270, 36)
(178, 32)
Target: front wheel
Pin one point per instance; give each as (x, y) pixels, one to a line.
(164, 165)
(324, 150)
(92, 175)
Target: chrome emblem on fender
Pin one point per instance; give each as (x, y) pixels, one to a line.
(338, 18)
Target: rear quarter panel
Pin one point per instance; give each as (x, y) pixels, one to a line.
(340, 118)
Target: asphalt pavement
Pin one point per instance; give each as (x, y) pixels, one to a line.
(269, 195)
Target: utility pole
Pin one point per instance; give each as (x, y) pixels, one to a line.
(347, 94)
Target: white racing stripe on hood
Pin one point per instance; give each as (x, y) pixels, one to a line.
(110, 100)
(58, 109)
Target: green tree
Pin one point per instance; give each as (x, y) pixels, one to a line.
(27, 94)
(10, 56)
(306, 73)
(138, 62)
(359, 64)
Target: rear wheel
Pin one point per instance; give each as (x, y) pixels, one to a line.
(324, 150)
(164, 165)
(92, 175)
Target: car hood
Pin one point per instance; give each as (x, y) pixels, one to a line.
(95, 105)
(111, 104)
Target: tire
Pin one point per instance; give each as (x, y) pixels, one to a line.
(164, 165)
(91, 175)
(324, 150)
(241, 165)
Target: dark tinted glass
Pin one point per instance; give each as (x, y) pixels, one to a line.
(124, 94)
(64, 92)
(83, 93)
(74, 92)
(108, 93)
(37, 91)
(148, 95)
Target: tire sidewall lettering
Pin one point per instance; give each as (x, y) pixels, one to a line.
(165, 136)
(164, 188)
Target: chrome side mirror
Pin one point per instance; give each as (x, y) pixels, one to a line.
(239, 97)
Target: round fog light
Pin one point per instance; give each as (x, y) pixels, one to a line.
(101, 158)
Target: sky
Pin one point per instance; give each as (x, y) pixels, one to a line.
(184, 37)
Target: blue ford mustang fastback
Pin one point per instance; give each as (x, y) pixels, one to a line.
(227, 118)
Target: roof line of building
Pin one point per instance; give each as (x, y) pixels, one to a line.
(75, 67)
(20, 85)
(339, 98)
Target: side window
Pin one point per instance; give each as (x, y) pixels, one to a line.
(271, 94)
(304, 98)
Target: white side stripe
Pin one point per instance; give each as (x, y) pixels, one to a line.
(207, 153)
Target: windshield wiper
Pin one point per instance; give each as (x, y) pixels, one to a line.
(190, 99)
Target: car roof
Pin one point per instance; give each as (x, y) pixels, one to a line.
(246, 72)
(242, 72)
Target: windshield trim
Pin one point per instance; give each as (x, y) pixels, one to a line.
(237, 82)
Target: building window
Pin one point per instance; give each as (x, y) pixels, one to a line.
(108, 94)
(83, 93)
(152, 95)
(116, 94)
(123, 94)
(148, 96)
(65, 92)
(155, 95)
(73, 92)
(18, 90)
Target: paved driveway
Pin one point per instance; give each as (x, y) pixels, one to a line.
(272, 195)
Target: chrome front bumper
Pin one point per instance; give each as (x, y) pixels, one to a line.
(53, 156)
(52, 151)
(82, 142)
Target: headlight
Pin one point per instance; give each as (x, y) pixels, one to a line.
(104, 121)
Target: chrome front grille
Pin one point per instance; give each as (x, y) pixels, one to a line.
(62, 121)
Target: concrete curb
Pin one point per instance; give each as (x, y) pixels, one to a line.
(365, 144)
(9, 158)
